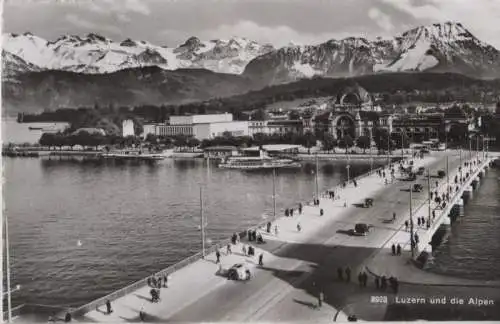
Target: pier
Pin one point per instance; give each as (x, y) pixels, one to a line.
(297, 264)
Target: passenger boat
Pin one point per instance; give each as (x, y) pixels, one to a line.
(257, 163)
(133, 155)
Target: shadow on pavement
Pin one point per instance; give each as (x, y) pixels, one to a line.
(349, 232)
(306, 303)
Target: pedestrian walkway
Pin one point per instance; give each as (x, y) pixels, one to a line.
(384, 263)
(198, 279)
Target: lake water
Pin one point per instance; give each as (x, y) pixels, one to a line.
(16, 133)
(131, 220)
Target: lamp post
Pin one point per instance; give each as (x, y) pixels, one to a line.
(411, 224)
(202, 227)
(402, 145)
(347, 167)
(317, 169)
(7, 265)
(274, 194)
(429, 194)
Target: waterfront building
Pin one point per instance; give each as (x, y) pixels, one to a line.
(128, 128)
(199, 126)
(275, 127)
(419, 127)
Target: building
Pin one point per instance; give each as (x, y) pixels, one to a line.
(419, 127)
(199, 126)
(219, 152)
(128, 128)
(275, 127)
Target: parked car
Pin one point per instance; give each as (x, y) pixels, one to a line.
(417, 187)
(441, 174)
(361, 229)
(239, 271)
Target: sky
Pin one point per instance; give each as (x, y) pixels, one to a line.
(279, 22)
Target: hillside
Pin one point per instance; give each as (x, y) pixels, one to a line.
(36, 91)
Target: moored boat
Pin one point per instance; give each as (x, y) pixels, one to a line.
(257, 163)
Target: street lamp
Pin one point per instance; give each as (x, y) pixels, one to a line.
(16, 288)
(348, 176)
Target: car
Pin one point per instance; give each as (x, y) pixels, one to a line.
(417, 187)
(361, 229)
(239, 271)
(441, 174)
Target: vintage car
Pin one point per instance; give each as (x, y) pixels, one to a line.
(361, 229)
(441, 174)
(239, 271)
(417, 187)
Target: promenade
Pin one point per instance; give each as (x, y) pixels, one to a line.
(295, 264)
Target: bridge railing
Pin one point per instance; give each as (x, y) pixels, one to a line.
(80, 311)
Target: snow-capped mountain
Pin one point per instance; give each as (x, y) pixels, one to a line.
(13, 65)
(97, 54)
(446, 47)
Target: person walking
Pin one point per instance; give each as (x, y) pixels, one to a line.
(393, 248)
(291, 212)
(261, 259)
(398, 250)
(365, 279)
(393, 216)
(108, 307)
(217, 254)
(159, 282)
(276, 230)
(360, 279)
(299, 228)
(300, 209)
(418, 221)
(228, 252)
(320, 299)
(244, 250)
(406, 226)
(142, 314)
(348, 274)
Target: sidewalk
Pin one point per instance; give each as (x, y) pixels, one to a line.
(403, 268)
(202, 277)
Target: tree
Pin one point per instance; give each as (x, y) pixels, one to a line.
(193, 142)
(47, 139)
(346, 142)
(363, 142)
(329, 142)
(152, 138)
(309, 141)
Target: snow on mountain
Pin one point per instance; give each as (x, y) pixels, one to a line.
(446, 47)
(13, 65)
(97, 54)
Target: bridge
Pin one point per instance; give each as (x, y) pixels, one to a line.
(299, 264)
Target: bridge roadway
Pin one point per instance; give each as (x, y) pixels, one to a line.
(296, 265)
(328, 249)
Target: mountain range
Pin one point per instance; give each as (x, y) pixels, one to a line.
(38, 71)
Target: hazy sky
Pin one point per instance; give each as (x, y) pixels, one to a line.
(170, 22)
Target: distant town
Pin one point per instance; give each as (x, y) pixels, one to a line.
(353, 120)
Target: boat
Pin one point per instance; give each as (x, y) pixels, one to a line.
(133, 155)
(36, 128)
(257, 163)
